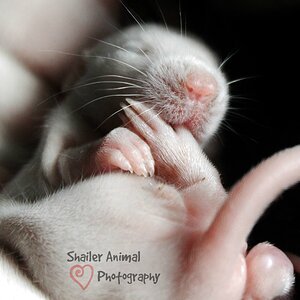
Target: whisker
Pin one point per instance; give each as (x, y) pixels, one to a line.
(231, 108)
(107, 96)
(143, 112)
(151, 108)
(124, 34)
(240, 79)
(105, 81)
(132, 15)
(218, 137)
(122, 31)
(124, 63)
(65, 53)
(162, 14)
(157, 114)
(97, 56)
(185, 26)
(87, 84)
(228, 127)
(180, 17)
(120, 88)
(227, 59)
(112, 25)
(241, 116)
(109, 117)
(117, 112)
(243, 98)
(120, 48)
(123, 77)
(110, 44)
(129, 105)
(233, 113)
(161, 111)
(147, 56)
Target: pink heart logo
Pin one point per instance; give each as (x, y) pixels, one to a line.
(82, 275)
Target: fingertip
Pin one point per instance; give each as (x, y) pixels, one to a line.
(270, 273)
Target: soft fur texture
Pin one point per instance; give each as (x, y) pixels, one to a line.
(197, 258)
(14, 284)
(179, 223)
(154, 63)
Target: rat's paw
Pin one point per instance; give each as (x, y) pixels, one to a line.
(178, 157)
(123, 149)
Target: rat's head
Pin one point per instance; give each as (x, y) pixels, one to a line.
(176, 75)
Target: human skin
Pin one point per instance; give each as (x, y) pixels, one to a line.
(190, 228)
(33, 36)
(41, 75)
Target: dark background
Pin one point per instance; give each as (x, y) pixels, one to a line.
(263, 35)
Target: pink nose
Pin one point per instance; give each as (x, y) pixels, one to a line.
(201, 86)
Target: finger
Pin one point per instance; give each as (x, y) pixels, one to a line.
(47, 49)
(246, 202)
(269, 273)
(295, 259)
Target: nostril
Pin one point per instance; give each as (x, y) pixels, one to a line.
(201, 86)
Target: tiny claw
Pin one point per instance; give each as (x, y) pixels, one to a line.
(127, 166)
(144, 170)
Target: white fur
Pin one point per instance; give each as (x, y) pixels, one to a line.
(115, 212)
(94, 214)
(13, 283)
(76, 121)
(159, 61)
(150, 63)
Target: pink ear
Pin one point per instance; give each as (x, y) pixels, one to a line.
(221, 247)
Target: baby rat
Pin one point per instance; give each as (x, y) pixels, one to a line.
(184, 88)
(189, 239)
(177, 76)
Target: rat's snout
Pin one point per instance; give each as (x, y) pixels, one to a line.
(201, 86)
